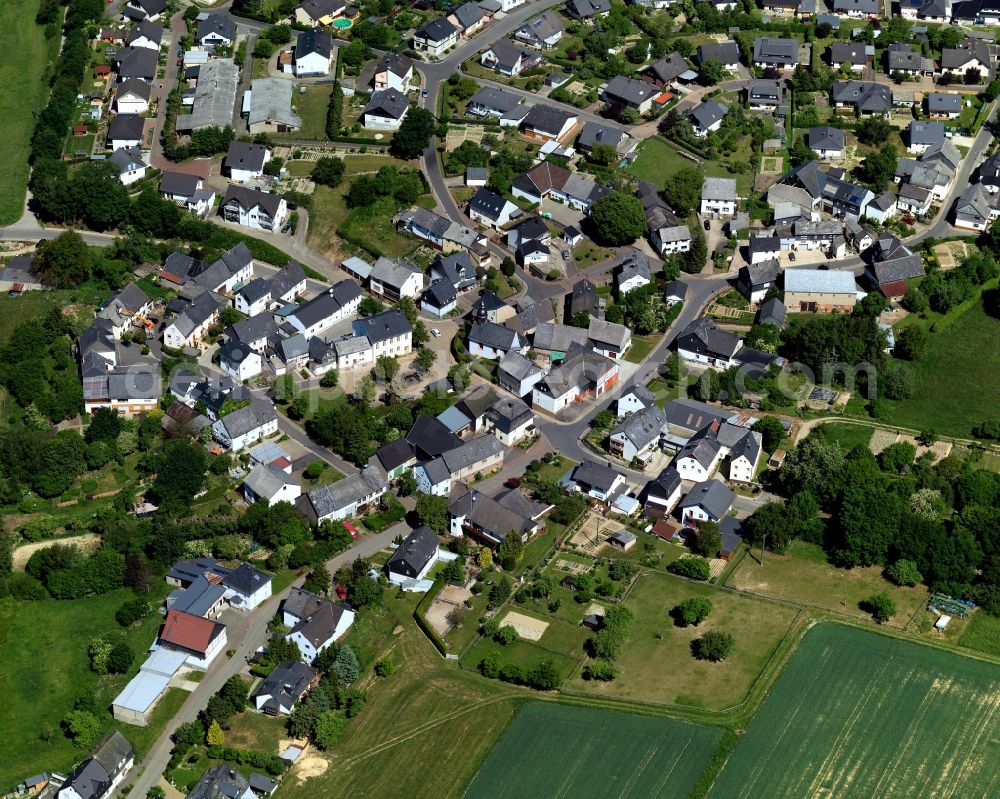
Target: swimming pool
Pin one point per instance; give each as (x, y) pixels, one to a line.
(342, 24)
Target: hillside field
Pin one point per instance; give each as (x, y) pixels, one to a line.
(558, 750)
(857, 715)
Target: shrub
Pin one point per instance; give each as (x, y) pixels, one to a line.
(881, 606)
(692, 611)
(904, 572)
(713, 646)
(692, 568)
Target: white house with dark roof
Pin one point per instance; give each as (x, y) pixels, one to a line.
(414, 557)
(100, 774)
(216, 30)
(254, 209)
(490, 209)
(506, 58)
(385, 110)
(129, 163)
(279, 692)
(394, 278)
(267, 484)
(707, 117)
(544, 123)
(313, 52)
(469, 19)
(853, 55)
(125, 130)
(542, 32)
(637, 436)
(319, 12)
(597, 481)
(622, 92)
(942, 105)
(344, 498)
(726, 53)
(776, 53)
(239, 361)
(703, 341)
(490, 340)
(245, 161)
(435, 37)
(826, 142)
(710, 500)
(132, 96)
(246, 426)
(389, 333)
(337, 303)
(316, 622)
(518, 374)
(393, 71)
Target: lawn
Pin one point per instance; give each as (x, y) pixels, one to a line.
(961, 363)
(856, 714)
(311, 107)
(424, 730)
(982, 633)
(372, 227)
(256, 731)
(327, 214)
(46, 669)
(803, 575)
(556, 750)
(659, 160)
(641, 347)
(848, 436)
(35, 304)
(656, 663)
(22, 100)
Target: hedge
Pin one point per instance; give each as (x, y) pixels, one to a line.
(423, 624)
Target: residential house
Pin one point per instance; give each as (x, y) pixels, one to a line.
(245, 161)
(507, 59)
(439, 299)
(853, 55)
(253, 298)
(344, 498)
(755, 280)
(767, 95)
(666, 71)
(588, 10)
(388, 331)
(138, 63)
(988, 174)
(216, 30)
(621, 92)
(764, 248)
(125, 131)
(313, 52)
(663, 493)
(634, 399)
(490, 306)
(385, 110)
(718, 197)
(517, 374)
(179, 186)
(726, 53)
(971, 55)
(710, 500)
(637, 437)
(488, 208)
(126, 309)
(608, 338)
(582, 374)
(394, 278)
(857, 9)
(826, 142)
(493, 102)
(675, 292)
(943, 106)
(707, 117)
(864, 98)
(436, 37)
(632, 272)
(222, 782)
(546, 124)
(393, 71)
(132, 96)
(903, 59)
(583, 297)
(396, 458)
(188, 328)
(239, 361)
(889, 264)
(254, 209)
(491, 519)
(265, 483)
(913, 200)
(922, 135)
(245, 426)
(597, 481)
(140, 10)
(511, 420)
(976, 208)
(548, 181)
(555, 341)
(701, 456)
(99, 775)
(456, 268)
(489, 340)
(469, 19)
(703, 341)
(201, 639)
(319, 12)
(594, 133)
(129, 163)
(246, 587)
(482, 454)
(775, 53)
(819, 290)
(285, 686)
(414, 557)
(542, 32)
(316, 622)
(773, 312)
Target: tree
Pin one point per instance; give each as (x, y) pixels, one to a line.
(510, 551)
(714, 646)
(215, 736)
(873, 130)
(63, 262)
(771, 524)
(904, 572)
(693, 611)
(915, 301)
(345, 666)
(329, 728)
(432, 511)
(771, 430)
(682, 191)
(602, 154)
(318, 580)
(181, 472)
(879, 167)
(191, 733)
(105, 425)
(329, 379)
(869, 520)
(83, 727)
(386, 368)
(454, 572)
(414, 134)
(706, 540)
(911, 343)
(881, 606)
(425, 357)
(711, 71)
(692, 568)
(896, 383)
(972, 76)
(328, 171)
(618, 218)
(898, 456)
(801, 153)
(120, 658)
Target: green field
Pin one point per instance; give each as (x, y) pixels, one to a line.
(659, 160)
(982, 633)
(847, 435)
(556, 750)
(857, 714)
(656, 663)
(46, 669)
(962, 363)
(24, 80)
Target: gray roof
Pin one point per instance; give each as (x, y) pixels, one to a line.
(727, 52)
(250, 417)
(866, 96)
(693, 415)
(848, 53)
(271, 103)
(760, 274)
(252, 329)
(665, 484)
(599, 133)
(903, 59)
(926, 133)
(517, 367)
(178, 183)
(337, 496)
(395, 454)
(774, 50)
(823, 281)
(488, 203)
(494, 516)
(384, 325)
(416, 551)
(858, 6)
(249, 198)
(495, 99)
(440, 294)
(389, 103)
(603, 332)
(468, 14)
(317, 9)
(257, 289)
(643, 427)
(942, 103)
(471, 452)
(219, 24)
(595, 475)
(214, 96)
(668, 68)
(436, 470)
(126, 126)
(771, 90)
(584, 9)
(558, 338)
(246, 156)
(711, 495)
(138, 62)
(634, 264)
(544, 26)
(220, 782)
(328, 303)
(314, 40)
(436, 30)
(490, 334)
(266, 481)
(93, 777)
(399, 65)
(546, 119)
(286, 684)
(127, 158)
(283, 281)
(704, 336)
(825, 138)
(139, 88)
(245, 579)
(629, 90)
(773, 311)
(430, 437)
(708, 113)
(199, 598)
(393, 272)
(719, 189)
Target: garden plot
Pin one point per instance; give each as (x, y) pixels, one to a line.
(458, 135)
(951, 253)
(595, 531)
(571, 566)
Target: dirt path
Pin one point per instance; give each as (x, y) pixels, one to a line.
(22, 554)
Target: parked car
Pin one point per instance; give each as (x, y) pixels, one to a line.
(566, 255)
(351, 529)
(791, 256)
(435, 332)
(423, 93)
(708, 225)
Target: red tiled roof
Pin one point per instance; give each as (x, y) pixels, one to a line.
(664, 529)
(896, 288)
(281, 463)
(189, 632)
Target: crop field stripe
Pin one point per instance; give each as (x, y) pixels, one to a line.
(873, 717)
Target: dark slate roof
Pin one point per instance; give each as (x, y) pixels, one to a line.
(394, 454)
(772, 312)
(243, 155)
(430, 437)
(441, 294)
(314, 40)
(245, 579)
(704, 336)
(138, 62)
(385, 325)
(436, 30)
(286, 683)
(257, 289)
(546, 119)
(178, 183)
(668, 68)
(389, 103)
(488, 203)
(708, 113)
(665, 484)
(727, 52)
(416, 551)
(220, 782)
(864, 95)
(942, 103)
(848, 53)
(490, 334)
(825, 138)
(126, 126)
(145, 29)
(776, 50)
(248, 198)
(252, 329)
(596, 475)
(224, 26)
(712, 495)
